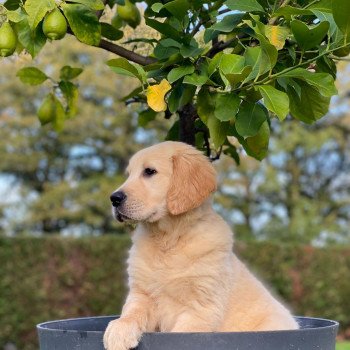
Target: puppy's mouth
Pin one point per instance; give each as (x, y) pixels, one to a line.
(122, 217)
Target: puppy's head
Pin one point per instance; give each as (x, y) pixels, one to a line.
(170, 178)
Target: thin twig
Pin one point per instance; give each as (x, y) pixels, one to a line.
(270, 78)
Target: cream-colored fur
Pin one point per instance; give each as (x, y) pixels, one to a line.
(183, 275)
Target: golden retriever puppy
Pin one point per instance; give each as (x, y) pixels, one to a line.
(183, 275)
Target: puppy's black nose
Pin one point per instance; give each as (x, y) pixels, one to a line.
(117, 198)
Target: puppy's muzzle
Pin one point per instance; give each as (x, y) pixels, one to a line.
(117, 198)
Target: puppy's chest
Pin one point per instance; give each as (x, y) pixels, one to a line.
(158, 270)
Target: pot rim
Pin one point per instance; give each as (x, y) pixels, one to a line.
(331, 324)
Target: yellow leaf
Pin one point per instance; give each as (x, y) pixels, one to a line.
(155, 95)
(277, 35)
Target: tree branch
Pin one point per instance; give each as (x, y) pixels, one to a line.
(121, 51)
(219, 46)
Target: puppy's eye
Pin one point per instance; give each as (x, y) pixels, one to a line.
(149, 172)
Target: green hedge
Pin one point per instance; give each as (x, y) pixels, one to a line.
(51, 278)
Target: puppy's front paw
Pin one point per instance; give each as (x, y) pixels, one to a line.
(121, 335)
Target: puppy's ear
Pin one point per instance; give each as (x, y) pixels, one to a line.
(194, 178)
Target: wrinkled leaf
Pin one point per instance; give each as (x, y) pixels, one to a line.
(156, 94)
(32, 41)
(37, 9)
(83, 22)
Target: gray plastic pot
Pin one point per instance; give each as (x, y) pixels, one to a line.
(86, 334)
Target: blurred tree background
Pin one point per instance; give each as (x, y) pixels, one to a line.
(54, 183)
(60, 182)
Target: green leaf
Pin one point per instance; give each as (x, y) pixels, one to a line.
(228, 23)
(174, 132)
(68, 73)
(250, 118)
(197, 79)
(217, 130)
(123, 66)
(327, 17)
(146, 116)
(133, 93)
(308, 37)
(92, 4)
(37, 9)
(244, 5)
(164, 28)
(256, 58)
(322, 5)
(111, 33)
(179, 72)
(157, 6)
(231, 151)
(231, 64)
(323, 82)
(270, 52)
(190, 51)
(289, 11)
(32, 41)
(84, 23)
(206, 102)
(210, 34)
(168, 42)
(327, 65)
(341, 10)
(70, 92)
(163, 52)
(226, 106)
(178, 8)
(31, 76)
(214, 63)
(12, 5)
(310, 106)
(257, 146)
(180, 96)
(239, 77)
(275, 100)
(16, 16)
